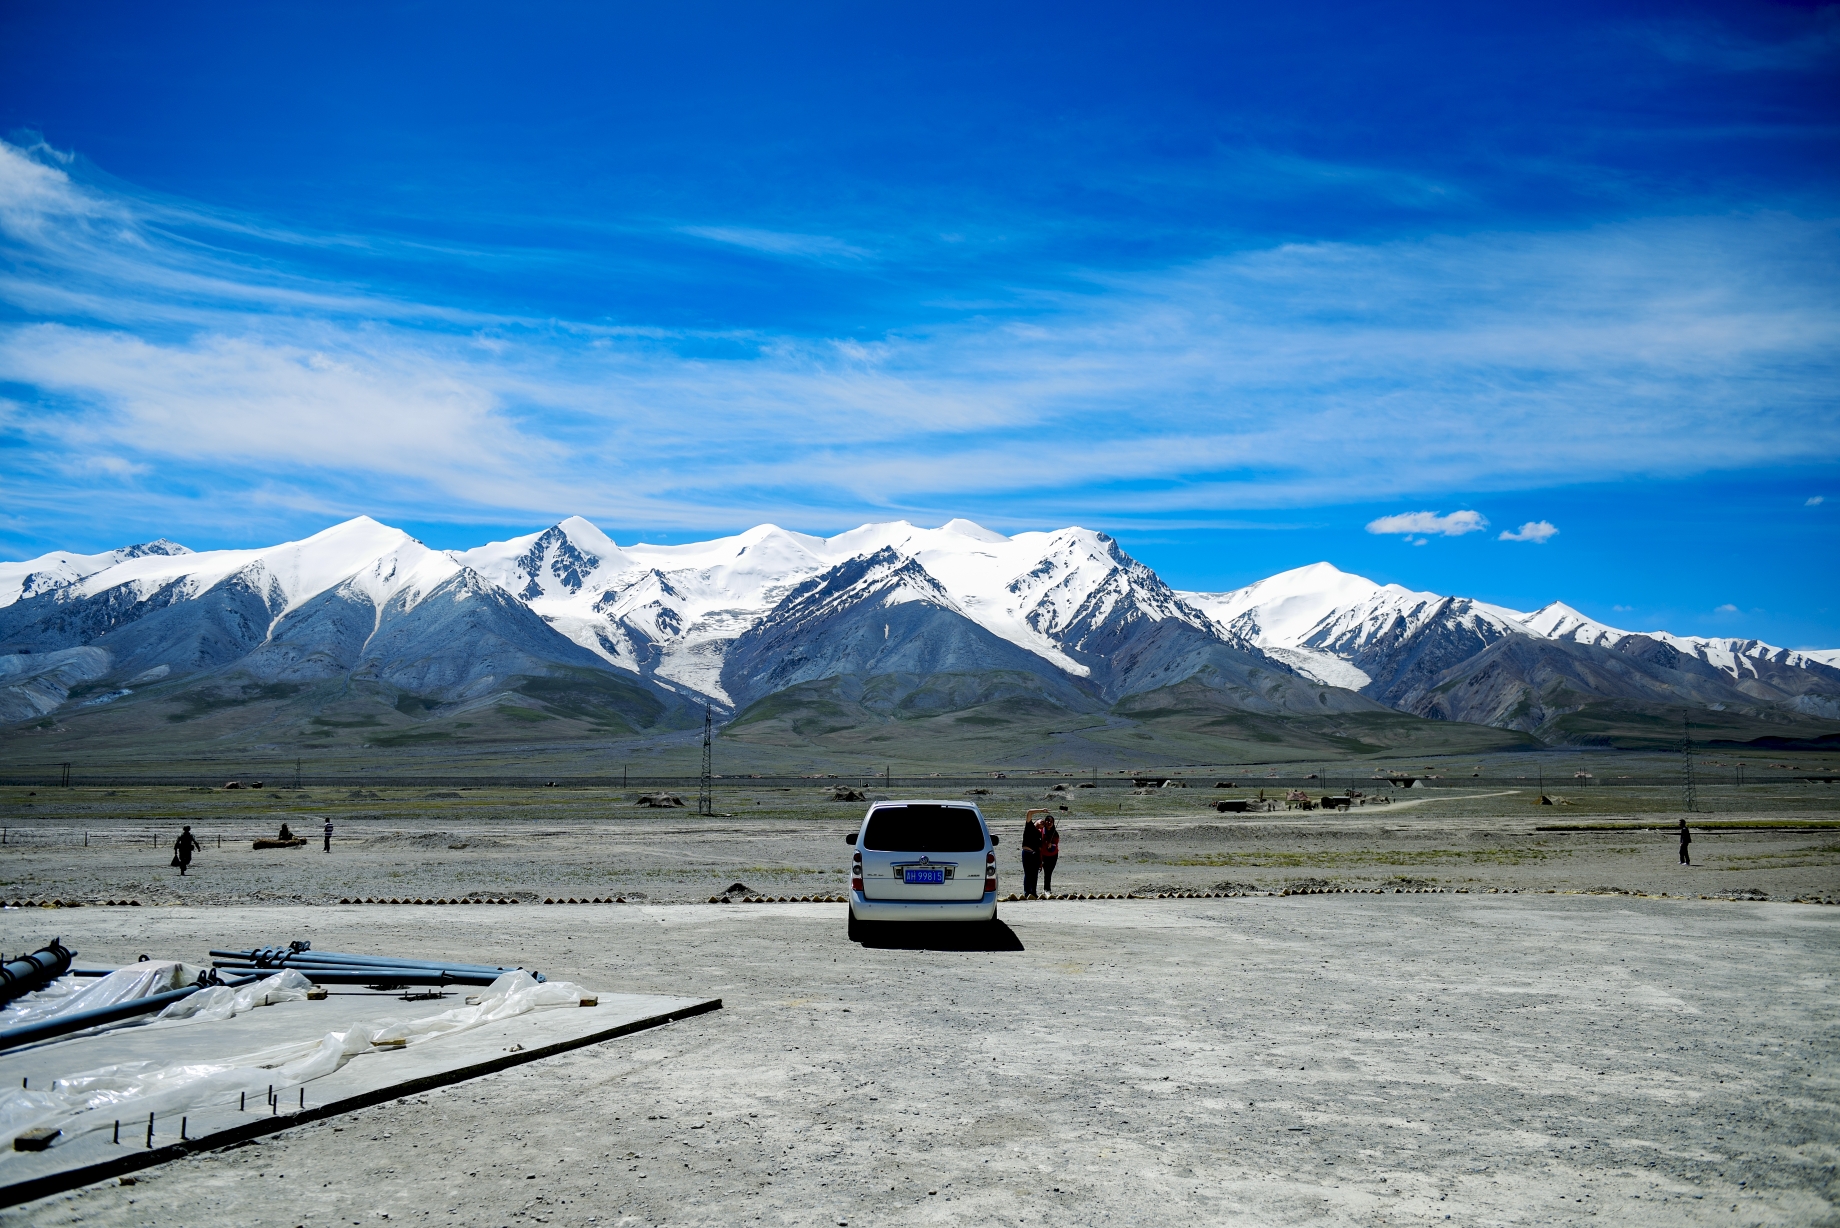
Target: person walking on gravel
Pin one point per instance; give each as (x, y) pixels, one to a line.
(1050, 853)
(1031, 851)
(328, 835)
(183, 848)
(1686, 838)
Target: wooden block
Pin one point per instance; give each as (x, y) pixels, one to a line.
(36, 1140)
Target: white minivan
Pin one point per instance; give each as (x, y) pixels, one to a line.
(923, 861)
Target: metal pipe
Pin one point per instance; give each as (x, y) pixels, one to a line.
(34, 971)
(487, 975)
(31, 1033)
(332, 965)
(282, 957)
(264, 955)
(373, 976)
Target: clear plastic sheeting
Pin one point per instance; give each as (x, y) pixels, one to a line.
(95, 1099)
(223, 1002)
(68, 995)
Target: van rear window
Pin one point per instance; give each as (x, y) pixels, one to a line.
(924, 829)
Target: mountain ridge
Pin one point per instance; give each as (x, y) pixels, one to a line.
(1065, 618)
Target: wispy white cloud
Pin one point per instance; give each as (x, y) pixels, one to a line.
(779, 243)
(1410, 523)
(1532, 531)
(1815, 501)
(157, 336)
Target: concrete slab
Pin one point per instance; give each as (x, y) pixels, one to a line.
(369, 1078)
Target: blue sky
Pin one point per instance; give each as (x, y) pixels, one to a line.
(1229, 283)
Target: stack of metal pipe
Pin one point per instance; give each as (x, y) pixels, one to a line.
(342, 968)
(54, 961)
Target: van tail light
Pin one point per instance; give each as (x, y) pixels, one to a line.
(856, 873)
(990, 872)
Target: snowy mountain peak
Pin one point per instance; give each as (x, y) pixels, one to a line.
(887, 577)
(360, 555)
(158, 545)
(1284, 609)
(59, 569)
(976, 532)
(1558, 621)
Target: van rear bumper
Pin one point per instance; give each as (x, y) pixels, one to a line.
(983, 909)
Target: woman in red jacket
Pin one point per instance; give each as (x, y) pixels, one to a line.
(1050, 853)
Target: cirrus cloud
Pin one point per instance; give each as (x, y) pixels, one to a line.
(203, 354)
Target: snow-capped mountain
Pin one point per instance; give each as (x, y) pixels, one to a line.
(358, 598)
(671, 612)
(61, 568)
(939, 616)
(874, 615)
(1740, 658)
(1455, 658)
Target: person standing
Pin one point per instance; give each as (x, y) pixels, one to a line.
(1050, 853)
(1031, 851)
(1686, 838)
(328, 835)
(183, 848)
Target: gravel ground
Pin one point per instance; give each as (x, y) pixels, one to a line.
(538, 844)
(1341, 1059)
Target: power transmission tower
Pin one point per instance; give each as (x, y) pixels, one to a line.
(1686, 751)
(296, 775)
(706, 795)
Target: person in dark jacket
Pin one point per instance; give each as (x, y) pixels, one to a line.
(1050, 853)
(328, 835)
(1031, 851)
(183, 848)
(1686, 838)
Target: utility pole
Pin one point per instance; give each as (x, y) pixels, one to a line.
(706, 795)
(65, 783)
(297, 774)
(1686, 752)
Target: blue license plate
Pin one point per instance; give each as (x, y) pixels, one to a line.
(923, 875)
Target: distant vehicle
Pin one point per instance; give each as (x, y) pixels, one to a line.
(922, 861)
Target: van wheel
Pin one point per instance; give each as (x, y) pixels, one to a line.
(856, 927)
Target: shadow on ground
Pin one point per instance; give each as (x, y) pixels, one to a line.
(940, 936)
